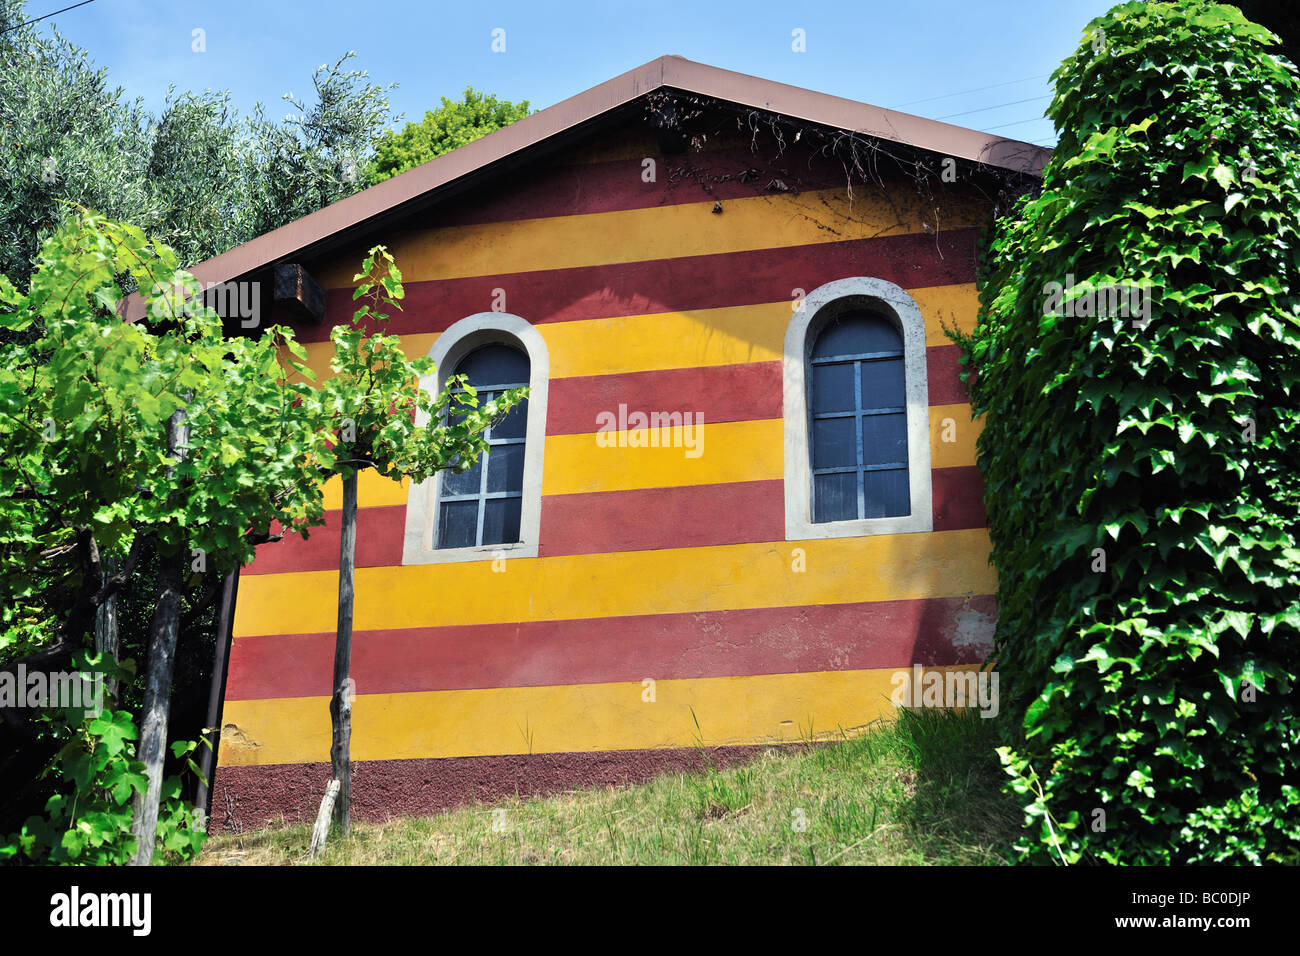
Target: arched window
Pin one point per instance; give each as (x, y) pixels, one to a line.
(492, 509)
(857, 426)
(859, 420)
(482, 504)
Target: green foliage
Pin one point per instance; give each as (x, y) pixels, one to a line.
(380, 415)
(451, 125)
(95, 775)
(87, 482)
(1141, 476)
(1282, 18)
(197, 176)
(84, 410)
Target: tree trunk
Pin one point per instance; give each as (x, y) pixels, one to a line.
(341, 701)
(163, 629)
(106, 641)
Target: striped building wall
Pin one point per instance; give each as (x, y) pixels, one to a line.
(474, 681)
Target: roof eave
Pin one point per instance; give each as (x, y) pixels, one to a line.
(408, 188)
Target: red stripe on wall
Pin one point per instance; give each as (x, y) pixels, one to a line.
(379, 544)
(671, 285)
(957, 495)
(582, 189)
(932, 631)
(943, 368)
(646, 519)
(643, 519)
(692, 516)
(721, 393)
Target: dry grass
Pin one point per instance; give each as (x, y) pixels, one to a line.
(922, 790)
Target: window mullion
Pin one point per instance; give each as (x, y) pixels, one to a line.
(857, 438)
(482, 490)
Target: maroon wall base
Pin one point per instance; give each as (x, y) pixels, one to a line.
(250, 798)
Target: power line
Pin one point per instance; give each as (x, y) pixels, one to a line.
(1032, 119)
(48, 15)
(985, 109)
(978, 89)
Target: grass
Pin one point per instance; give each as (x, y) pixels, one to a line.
(924, 789)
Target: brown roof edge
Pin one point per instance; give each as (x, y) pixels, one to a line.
(835, 111)
(667, 71)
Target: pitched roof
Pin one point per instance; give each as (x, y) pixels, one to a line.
(310, 233)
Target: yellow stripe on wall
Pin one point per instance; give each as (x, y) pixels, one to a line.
(766, 709)
(698, 338)
(951, 305)
(657, 232)
(728, 451)
(953, 422)
(715, 578)
(373, 490)
(667, 340)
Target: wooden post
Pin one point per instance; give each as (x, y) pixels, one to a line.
(216, 694)
(163, 629)
(322, 828)
(341, 701)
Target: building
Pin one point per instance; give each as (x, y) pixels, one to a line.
(743, 494)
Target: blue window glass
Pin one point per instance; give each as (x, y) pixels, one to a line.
(482, 504)
(859, 420)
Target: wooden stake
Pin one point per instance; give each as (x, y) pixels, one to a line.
(163, 629)
(322, 828)
(341, 701)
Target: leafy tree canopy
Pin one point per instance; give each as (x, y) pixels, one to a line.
(198, 176)
(451, 125)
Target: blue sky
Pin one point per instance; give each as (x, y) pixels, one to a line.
(888, 52)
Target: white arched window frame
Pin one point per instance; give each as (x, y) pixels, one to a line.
(819, 307)
(470, 333)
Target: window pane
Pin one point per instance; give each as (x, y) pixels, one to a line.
(466, 483)
(835, 497)
(506, 468)
(854, 333)
(834, 444)
(882, 384)
(501, 520)
(489, 370)
(457, 523)
(887, 494)
(514, 424)
(833, 388)
(494, 365)
(884, 439)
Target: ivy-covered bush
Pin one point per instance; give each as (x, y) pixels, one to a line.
(1137, 364)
